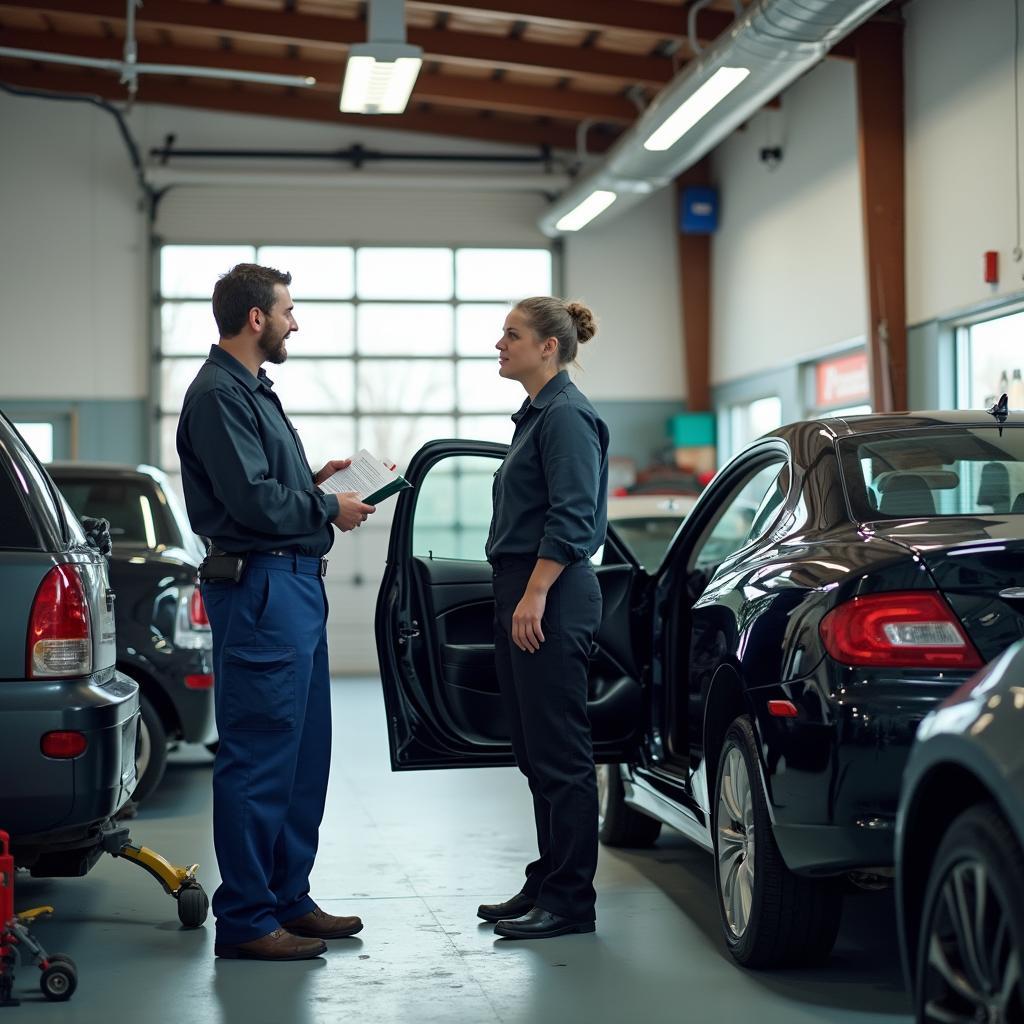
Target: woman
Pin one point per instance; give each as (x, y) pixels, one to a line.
(550, 516)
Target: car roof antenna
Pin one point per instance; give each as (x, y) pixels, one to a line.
(1000, 410)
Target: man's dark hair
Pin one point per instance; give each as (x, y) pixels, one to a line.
(244, 287)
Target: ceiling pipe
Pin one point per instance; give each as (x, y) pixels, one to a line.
(777, 41)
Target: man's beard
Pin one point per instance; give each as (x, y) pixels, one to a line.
(273, 347)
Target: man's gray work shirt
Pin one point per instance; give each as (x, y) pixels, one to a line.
(247, 482)
(551, 493)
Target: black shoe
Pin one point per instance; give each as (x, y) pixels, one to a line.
(515, 907)
(540, 924)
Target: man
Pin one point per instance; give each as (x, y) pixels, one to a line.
(250, 491)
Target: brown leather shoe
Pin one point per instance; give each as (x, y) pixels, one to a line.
(278, 945)
(320, 925)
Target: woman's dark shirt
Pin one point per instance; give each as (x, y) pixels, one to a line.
(551, 493)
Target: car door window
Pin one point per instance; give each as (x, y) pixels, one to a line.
(452, 516)
(744, 516)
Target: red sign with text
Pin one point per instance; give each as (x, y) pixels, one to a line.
(843, 381)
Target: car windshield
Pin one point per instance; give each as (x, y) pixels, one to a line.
(948, 471)
(648, 537)
(132, 507)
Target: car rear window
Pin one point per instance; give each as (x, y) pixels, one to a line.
(132, 507)
(950, 471)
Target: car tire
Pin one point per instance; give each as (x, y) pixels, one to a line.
(771, 917)
(617, 823)
(977, 878)
(150, 751)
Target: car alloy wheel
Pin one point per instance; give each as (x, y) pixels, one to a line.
(737, 843)
(970, 941)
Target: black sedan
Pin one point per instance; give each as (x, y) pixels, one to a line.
(761, 690)
(960, 852)
(163, 636)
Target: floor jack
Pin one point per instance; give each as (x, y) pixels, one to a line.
(59, 977)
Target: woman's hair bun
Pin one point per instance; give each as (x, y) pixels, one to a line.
(583, 318)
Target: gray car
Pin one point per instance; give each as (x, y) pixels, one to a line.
(960, 850)
(68, 718)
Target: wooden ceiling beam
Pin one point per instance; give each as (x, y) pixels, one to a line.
(339, 33)
(179, 93)
(643, 16)
(446, 90)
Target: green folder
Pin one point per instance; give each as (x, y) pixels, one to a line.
(396, 485)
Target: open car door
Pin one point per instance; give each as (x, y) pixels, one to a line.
(435, 624)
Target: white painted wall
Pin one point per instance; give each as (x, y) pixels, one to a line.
(960, 153)
(787, 261)
(627, 271)
(73, 256)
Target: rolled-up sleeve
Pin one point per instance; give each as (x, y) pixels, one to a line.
(224, 434)
(570, 443)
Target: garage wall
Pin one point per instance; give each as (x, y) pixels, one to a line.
(787, 261)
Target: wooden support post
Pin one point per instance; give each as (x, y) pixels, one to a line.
(879, 63)
(695, 298)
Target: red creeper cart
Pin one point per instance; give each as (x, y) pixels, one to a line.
(59, 977)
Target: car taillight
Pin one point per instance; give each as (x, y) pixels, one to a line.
(197, 611)
(59, 634)
(905, 629)
(192, 625)
(63, 744)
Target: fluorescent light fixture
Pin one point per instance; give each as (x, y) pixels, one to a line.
(597, 202)
(694, 107)
(379, 78)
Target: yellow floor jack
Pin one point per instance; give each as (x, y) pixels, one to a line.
(59, 976)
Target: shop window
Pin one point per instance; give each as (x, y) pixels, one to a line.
(747, 421)
(39, 437)
(990, 362)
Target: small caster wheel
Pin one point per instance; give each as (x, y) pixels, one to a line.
(62, 958)
(59, 981)
(193, 905)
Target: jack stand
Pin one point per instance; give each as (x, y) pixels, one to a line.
(179, 882)
(59, 976)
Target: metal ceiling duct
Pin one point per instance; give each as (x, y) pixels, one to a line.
(776, 40)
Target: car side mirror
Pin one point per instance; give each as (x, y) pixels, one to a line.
(97, 533)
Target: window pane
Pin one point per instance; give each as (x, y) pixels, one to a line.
(453, 508)
(993, 355)
(39, 437)
(326, 437)
(175, 377)
(482, 390)
(191, 271)
(187, 328)
(423, 385)
(404, 273)
(318, 272)
(313, 385)
(398, 438)
(325, 328)
(508, 274)
(412, 329)
(168, 451)
(478, 328)
(487, 428)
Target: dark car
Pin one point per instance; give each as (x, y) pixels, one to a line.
(68, 718)
(960, 851)
(760, 691)
(163, 636)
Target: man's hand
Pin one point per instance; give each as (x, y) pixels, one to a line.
(352, 512)
(330, 469)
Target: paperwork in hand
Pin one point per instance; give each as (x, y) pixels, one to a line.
(372, 479)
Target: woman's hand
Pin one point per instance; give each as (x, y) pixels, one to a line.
(526, 632)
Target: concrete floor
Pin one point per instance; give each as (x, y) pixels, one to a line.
(413, 855)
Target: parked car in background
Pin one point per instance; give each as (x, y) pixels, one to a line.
(646, 523)
(760, 690)
(163, 635)
(68, 717)
(960, 851)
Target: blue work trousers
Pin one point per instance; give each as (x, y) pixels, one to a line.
(273, 706)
